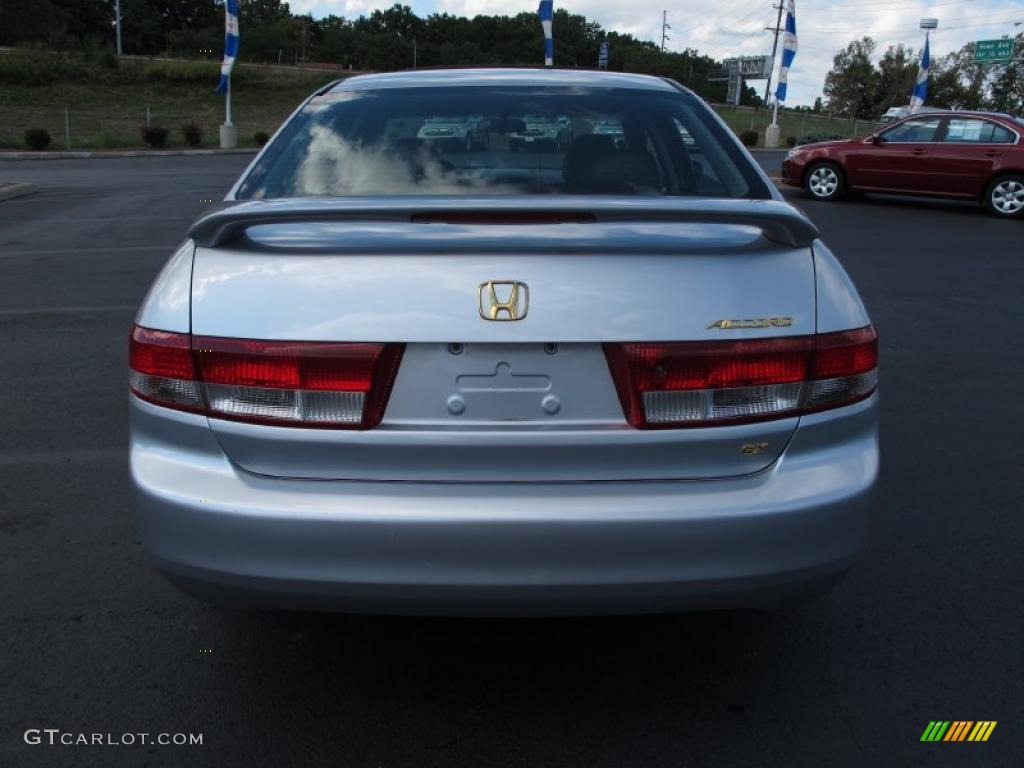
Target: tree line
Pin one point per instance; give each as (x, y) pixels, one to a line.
(391, 39)
(858, 87)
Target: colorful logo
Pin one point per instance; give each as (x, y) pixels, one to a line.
(958, 730)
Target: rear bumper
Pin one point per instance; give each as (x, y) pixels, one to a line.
(503, 549)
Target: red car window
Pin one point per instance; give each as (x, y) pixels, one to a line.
(913, 131)
(975, 131)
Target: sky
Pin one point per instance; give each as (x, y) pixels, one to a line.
(728, 28)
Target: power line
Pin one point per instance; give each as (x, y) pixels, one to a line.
(887, 4)
(859, 8)
(861, 30)
(946, 25)
(755, 10)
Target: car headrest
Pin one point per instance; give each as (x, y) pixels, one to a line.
(579, 158)
(616, 172)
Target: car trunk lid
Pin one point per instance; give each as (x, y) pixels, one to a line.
(481, 400)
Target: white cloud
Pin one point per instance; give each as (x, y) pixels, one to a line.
(721, 29)
(347, 8)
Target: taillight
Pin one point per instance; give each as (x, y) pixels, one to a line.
(291, 383)
(307, 383)
(161, 369)
(695, 384)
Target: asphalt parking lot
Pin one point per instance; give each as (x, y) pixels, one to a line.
(928, 627)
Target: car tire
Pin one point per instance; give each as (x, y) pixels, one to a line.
(824, 181)
(1005, 197)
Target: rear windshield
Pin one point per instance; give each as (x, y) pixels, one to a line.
(503, 141)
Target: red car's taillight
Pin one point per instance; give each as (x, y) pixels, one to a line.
(696, 384)
(295, 383)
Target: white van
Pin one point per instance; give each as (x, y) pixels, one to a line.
(894, 113)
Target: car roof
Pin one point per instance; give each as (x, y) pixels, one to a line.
(503, 77)
(965, 112)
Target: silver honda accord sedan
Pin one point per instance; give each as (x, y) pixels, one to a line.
(392, 374)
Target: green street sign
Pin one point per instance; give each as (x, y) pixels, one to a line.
(994, 50)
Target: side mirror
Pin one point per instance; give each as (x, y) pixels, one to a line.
(877, 139)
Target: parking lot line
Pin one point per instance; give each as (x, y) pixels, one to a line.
(69, 310)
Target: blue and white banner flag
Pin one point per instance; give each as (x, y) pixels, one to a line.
(546, 11)
(920, 92)
(789, 48)
(230, 43)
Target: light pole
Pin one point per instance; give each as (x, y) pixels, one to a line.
(117, 23)
(775, 49)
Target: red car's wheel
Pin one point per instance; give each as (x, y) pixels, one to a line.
(824, 181)
(1005, 196)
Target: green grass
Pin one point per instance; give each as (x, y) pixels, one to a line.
(106, 99)
(793, 124)
(106, 106)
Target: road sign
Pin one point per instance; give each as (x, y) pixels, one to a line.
(602, 57)
(750, 67)
(739, 69)
(994, 50)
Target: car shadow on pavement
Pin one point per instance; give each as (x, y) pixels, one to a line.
(967, 208)
(571, 691)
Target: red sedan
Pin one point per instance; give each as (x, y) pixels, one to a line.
(967, 155)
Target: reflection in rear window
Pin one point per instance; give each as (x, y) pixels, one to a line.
(513, 141)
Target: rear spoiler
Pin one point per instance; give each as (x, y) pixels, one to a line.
(778, 221)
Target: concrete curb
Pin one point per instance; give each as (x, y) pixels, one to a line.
(10, 191)
(63, 155)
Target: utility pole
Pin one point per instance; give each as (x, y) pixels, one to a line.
(117, 23)
(414, 53)
(775, 49)
(664, 28)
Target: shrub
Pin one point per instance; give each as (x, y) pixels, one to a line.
(28, 67)
(749, 138)
(153, 135)
(791, 141)
(108, 60)
(193, 134)
(262, 137)
(187, 72)
(37, 138)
